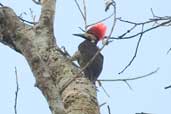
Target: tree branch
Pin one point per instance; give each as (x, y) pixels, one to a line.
(9, 26)
(16, 92)
(129, 86)
(102, 20)
(36, 2)
(47, 14)
(85, 14)
(143, 113)
(130, 79)
(166, 22)
(108, 3)
(167, 87)
(108, 107)
(136, 51)
(50, 67)
(79, 8)
(22, 38)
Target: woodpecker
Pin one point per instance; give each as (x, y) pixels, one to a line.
(87, 50)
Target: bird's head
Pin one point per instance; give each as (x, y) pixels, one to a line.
(95, 33)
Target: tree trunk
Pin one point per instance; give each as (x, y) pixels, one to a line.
(51, 69)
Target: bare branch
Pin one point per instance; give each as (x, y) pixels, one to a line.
(29, 22)
(130, 79)
(107, 94)
(85, 14)
(108, 3)
(135, 54)
(142, 32)
(16, 92)
(81, 29)
(128, 31)
(143, 113)
(147, 30)
(36, 2)
(47, 14)
(168, 51)
(114, 20)
(129, 86)
(108, 109)
(167, 87)
(24, 20)
(100, 84)
(79, 8)
(32, 15)
(102, 104)
(152, 12)
(101, 20)
(136, 23)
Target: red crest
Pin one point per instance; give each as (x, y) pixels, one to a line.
(98, 30)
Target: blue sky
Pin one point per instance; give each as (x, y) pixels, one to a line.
(148, 94)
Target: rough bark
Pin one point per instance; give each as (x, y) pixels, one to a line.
(51, 69)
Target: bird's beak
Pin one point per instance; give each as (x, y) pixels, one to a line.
(80, 35)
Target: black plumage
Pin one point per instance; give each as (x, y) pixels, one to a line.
(87, 50)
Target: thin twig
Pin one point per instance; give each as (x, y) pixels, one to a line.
(136, 23)
(36, 2)
(152, 12)
(158, 17)
(32, 15)
(100, 84)
(85, 14)
(154, 16)
(130, 79)
(168, 51)
(101, 20)
(108, 3)
(29, 22)
(167, 87)
(108, 109)
(79, 8)
(128, 31)
(114, 20)
(135, 54)
(16, 92)
(129, 86)
(103, 104)
(152, 28)
(147, 30)
(143, 113)
(82, 29)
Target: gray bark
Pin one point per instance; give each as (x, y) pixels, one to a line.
(51, 69)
